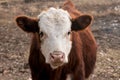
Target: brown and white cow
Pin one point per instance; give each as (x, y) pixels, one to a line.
(63, 47)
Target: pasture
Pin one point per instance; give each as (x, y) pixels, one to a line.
(14, 43)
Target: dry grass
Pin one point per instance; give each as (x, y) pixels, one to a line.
(14, 43)
(95, 2)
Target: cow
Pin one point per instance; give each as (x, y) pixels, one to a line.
(63, 46)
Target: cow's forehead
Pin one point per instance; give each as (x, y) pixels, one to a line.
(54, 20)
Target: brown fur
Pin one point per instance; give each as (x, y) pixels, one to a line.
(82, 57)
(69, 6)
(87, 38)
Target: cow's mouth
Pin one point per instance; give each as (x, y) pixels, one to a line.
(56, 64)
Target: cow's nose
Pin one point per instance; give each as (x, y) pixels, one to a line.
(57, 56)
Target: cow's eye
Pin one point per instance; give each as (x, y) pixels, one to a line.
(41, 34)
(69, 33)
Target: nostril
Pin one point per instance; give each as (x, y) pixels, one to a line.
(52, 56)
(62, 56)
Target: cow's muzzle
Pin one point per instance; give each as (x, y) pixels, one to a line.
(57, 58)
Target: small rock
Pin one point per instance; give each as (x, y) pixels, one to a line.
(1, 70)
(5, 72)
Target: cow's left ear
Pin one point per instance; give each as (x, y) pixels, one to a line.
(81, 22)
(27, 24)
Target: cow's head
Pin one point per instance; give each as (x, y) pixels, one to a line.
(55, 27)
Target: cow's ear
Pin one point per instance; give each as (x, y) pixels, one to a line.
(81, 22)
(27, 24)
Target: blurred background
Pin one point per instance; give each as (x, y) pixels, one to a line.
(14, 43)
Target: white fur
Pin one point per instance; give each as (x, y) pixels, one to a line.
(55, 23)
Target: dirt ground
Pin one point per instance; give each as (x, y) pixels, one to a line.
(14, 43)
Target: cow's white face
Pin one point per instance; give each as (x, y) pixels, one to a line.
(55, 29)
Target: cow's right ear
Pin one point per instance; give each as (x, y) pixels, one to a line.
(81, 22)
(27, 24)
